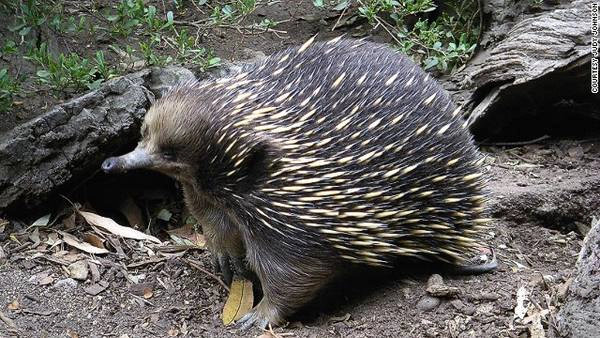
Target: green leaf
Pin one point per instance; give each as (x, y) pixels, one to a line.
(202, 2)
(431, 62)
(319, 3)
(44, 74)
(24, 31)
(341, 6)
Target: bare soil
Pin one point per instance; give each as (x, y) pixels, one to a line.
(165, 296)
(543, 196)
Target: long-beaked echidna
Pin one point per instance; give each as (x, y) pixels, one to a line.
(318, 156)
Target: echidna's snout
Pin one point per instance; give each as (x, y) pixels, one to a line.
(137, 159)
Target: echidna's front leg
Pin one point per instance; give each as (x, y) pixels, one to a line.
(225, 244)
(288, 283)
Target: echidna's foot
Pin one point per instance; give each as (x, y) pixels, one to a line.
(260, 316)
(484, 262)
(229, 266)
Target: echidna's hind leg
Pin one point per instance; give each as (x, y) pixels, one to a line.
(286, 286)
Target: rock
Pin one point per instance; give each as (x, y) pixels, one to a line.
(428, 303)
(162, 79)
(580, 314)
(437, 288)
(79, 270)
(66, 283)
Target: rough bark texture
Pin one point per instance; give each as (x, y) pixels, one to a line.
(66, 144)
(580, 315)
(532, 67)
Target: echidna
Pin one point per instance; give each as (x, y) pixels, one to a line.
(315, 158)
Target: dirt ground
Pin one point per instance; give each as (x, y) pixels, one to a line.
(131, 295)
(543, 197)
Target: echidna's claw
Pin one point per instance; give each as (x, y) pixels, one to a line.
(225, 268)
(260, 316)
(230, 266)
(251, 319)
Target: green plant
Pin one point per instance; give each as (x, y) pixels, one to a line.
(232, 12)
(30, 14)
(65, 71)
(442, 44)
(8, 89)
(131, 14)
(105, 70)
(153, 59)
(9, 48)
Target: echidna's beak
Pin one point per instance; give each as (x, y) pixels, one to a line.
(136, 159)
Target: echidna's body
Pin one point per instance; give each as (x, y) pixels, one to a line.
(322, 155)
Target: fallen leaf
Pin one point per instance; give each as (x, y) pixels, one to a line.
(173, 332)
(69, 222)
(187, 235)
(239, 302)
(72, 334)
(46, 280)
(53, 239)
(114, 228)
(164, 215)
(95, 289)
(83, 246)
(35, 237)
(94, 240)
(42, 221)
(14, 305)
(338, 319)
(522, 299)
(9, 322)
(148, 293)
(132, 212)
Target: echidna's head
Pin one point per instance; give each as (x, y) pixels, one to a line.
(185, 136)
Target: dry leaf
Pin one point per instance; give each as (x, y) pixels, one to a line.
(164, 215)
(173, 332)
(83, 246)
(148, 293)
(14, 305)
(522, 303)
(72, 334)
(35, 237)
(132, 212)
(46, 280)
(42, 221)
(266, 335)
(239, 302)
(94, 240)
(53, 239)
(114, 228)
(186, 235)
(69, 222)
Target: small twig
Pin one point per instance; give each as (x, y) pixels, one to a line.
(197, 266)
(9, 322)
(339, 18)
(509, 144)
(142, 299)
